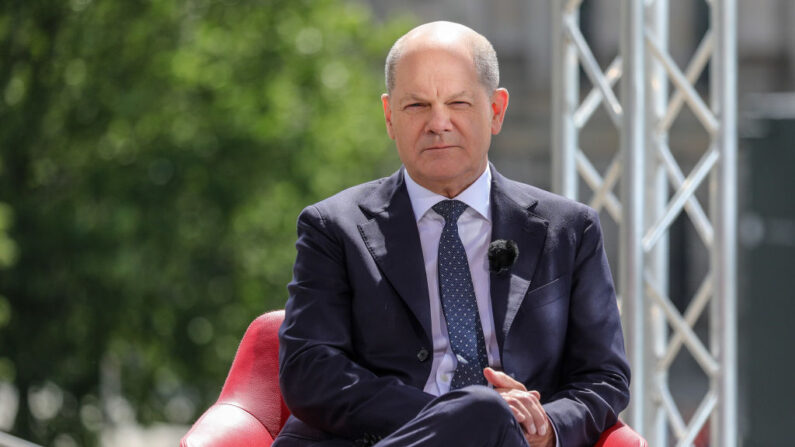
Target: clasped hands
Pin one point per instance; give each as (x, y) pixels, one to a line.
(526, 408)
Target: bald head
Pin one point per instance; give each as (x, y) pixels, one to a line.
(448, 35)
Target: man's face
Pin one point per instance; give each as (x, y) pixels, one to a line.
(442, 118)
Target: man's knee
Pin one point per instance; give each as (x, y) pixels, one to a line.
(477, 404)
(472, 416)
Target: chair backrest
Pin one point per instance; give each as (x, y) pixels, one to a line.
(253, 380)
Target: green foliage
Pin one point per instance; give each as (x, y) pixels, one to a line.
(8, 249)
(155, 155)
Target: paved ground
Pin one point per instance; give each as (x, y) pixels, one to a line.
(160, 435)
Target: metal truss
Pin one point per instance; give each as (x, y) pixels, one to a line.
(656, 331)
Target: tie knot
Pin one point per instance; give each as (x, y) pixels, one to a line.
(451, 210)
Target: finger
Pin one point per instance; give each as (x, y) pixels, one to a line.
(535, 393)
(521, 403)
(536, 419)
(529, 426)
(517, 413)
(538, 415)
(523, 418)
(501, 380)
(505, 390)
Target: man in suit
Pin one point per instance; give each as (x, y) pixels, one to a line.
(399, 330)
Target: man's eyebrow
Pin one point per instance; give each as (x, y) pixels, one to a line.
(411, 97)
(461, 94)
(415, 97)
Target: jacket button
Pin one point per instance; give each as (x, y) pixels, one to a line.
(422, 354)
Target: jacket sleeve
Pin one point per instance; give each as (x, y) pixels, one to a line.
(595, 374)
(321, 382)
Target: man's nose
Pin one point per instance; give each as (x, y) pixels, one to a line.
(439, 121)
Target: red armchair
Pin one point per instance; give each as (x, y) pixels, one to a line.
(250, 410)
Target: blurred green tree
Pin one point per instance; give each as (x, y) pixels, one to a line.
(155, 156)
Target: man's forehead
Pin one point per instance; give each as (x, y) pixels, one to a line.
(458, 45)
(448, 64)
(435, 51)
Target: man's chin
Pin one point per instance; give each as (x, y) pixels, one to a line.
(448, 182)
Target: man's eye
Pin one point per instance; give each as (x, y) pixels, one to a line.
(414, 105)
(460, 103)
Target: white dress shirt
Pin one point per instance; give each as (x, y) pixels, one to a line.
(474, 228)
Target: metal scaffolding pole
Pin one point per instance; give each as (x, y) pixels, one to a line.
(633, 183)
(564, 104)
(656, 198)
(724, 204)
(656, 331)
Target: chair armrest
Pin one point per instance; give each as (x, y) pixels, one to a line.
(621, 435)
(227, 425)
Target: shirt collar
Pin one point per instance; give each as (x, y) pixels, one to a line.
(477, 195)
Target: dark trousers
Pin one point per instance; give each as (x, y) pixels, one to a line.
(475, 416)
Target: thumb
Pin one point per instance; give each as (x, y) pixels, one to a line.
(499, 379)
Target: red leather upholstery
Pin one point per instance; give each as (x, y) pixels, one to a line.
(621, 435)
(250, 410)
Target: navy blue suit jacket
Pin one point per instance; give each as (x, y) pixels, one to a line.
(355, 346)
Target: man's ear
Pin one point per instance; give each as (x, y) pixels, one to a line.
(499, 104)
(387, 115)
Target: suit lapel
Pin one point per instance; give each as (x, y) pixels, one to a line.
(393, 240)
(512, 219)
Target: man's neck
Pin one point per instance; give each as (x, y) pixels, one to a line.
(448, 189)
(476, 195)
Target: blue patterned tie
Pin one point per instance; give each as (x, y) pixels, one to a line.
(458, 300)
